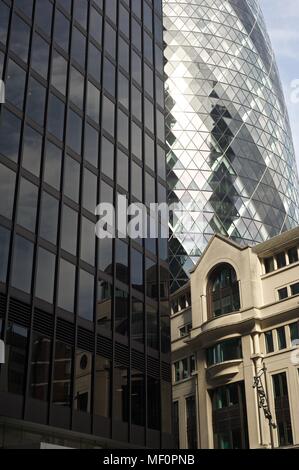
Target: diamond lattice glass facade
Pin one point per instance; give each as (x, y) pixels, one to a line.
(230, 153)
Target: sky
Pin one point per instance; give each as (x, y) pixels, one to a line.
(282, 18)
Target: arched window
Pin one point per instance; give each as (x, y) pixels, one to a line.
(223, 291)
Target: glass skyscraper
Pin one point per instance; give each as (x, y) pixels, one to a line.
(85, 321)
(230, 153)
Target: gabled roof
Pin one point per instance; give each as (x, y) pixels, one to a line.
(223, 239)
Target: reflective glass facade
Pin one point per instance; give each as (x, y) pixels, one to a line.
(230, 152)
(85, 322)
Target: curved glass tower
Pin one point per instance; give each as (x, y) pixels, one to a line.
(230, 153)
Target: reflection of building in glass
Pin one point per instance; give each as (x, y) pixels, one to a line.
(83, 122)
(230, 153)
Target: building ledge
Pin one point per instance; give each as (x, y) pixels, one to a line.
(225, 370)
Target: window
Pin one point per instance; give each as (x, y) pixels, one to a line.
(15, 84)
(121, 393)
(269, 342)
(40, 55)
(66, 286)
(153, 403)
(295, 289)
(16, 359)
(107, 158)
(229, 417)
(20, 36)
(82, 385)
(281, 260)
(22, 264)
(281, 338)
(87, 241)
(283, 293)
(176, 424)
(91, 145)
(36, 101)
(137, 398)
(137, 321)
(184, 368)
(102, 393)
(76, 87)
(59, 72)
(74, 132)
(294, 333)
(71, 178)
(32, 150)
(44, 288)
(69, 230)
(40, 367)
(43, 15)
(269, 264)
(185, 330)
(137, 277)
(86, 296)
(62, 31)
(49, 218)
(62, 375)
(282, 409)
(104, 306)
(27, 205)
(226, 351)
(7, 190)
(121, 313)
(223, 291)
(53, 159)
(293, 255)
(191, 423)
(10, 130)
(4, 251)
(152, 327)
(56, 117)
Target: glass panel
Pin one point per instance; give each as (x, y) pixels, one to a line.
(281, 337)
(4, 252)
(121, 393)
(86, 296)
(27, 205)
(14, 371)
(10, 130)
(269, 342)
(40, 367)
(45, 276)
(22, 264)
(121, 313)
(7, 191)
(104, 306)
(32, 150)
(69, 230)
(102, 393)
(49, 218)
(53, 161)
(62, 375)
(66, 286)
(137, 321)
(138, 398)
(82, 386)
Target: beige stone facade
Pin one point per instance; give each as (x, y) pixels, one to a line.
(244, 317)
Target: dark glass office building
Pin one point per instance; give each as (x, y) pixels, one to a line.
(85, 321)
